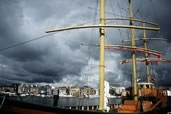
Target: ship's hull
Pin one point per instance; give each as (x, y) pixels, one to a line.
(20, 107)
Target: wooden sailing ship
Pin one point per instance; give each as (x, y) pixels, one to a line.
(143, 97)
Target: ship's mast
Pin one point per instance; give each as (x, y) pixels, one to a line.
(134, 77)
(101, 66)
(147, 60)
(146, 56)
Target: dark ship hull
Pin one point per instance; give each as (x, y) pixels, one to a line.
(19, 107)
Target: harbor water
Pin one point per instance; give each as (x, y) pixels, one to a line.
(66, 101)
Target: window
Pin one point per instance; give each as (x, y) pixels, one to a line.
(141, 86)
(147, 86)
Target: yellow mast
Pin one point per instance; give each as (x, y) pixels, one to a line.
(101, 66)
(146, 56)
(134, 78)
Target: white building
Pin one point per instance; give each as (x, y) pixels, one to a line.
(118, 90)
(62, 91)
(168, 92)
(106, 95)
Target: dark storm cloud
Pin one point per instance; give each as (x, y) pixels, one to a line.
(40, 61)
(158, 12)
(11, 21)
(25, 54)
(61, 58)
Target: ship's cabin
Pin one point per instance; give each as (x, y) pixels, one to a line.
(145, 85)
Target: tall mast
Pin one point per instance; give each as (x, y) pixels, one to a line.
(134, 78)
(101, 66)
(146, 56)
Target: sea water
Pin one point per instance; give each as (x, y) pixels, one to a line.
(66, 101)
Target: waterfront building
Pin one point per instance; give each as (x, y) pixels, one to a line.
(10, 89)
(34, 91)
(116, 90)
(62, 91)
(86, 91)
(74, 92)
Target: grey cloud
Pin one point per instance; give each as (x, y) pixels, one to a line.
(60, 57)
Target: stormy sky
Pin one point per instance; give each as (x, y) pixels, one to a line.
(60, 58)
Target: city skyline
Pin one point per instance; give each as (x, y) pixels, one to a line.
(47, 90)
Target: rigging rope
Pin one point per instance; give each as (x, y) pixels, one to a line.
(91, 42)
(25, 42)
(92, 8)
(37, 38)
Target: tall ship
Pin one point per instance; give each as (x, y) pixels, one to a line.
(141, 97)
